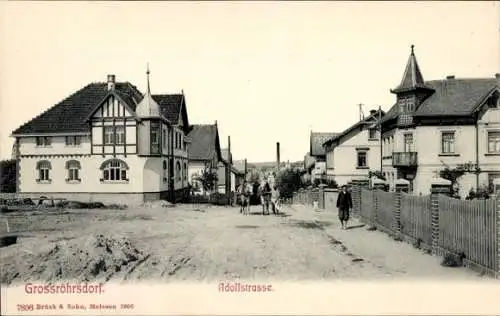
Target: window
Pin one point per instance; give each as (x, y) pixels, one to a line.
(185, 172)
(493, 100)
(114, 135)
(372, 133)
(73, 140)
(408, 142)
(164, 135)
(165, 171)
(494, 142)
(410, 105)
(491, 177)
(109, 135)
(362, 159)
(43, 141)
(120, 135)
(402, 105)
(178, 171)
(448, 142)
(73, 167)
(43, 168)
(114, 170)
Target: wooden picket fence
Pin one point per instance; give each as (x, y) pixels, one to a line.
(415, 218)
(469, 227)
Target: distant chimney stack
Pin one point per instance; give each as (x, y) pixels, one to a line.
(111, 82)
(215, 122)
(450, 77)
(278, 154)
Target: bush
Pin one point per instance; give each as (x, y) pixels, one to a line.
(8, 176)
(288, 181)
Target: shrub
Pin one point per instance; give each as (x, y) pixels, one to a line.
(8, 176)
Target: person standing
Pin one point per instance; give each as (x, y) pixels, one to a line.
(344, 204)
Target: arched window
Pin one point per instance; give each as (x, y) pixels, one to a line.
(178, 171)
(165, 171)
(43, 168)
(73, 168)
(185, 172)
(114, 170)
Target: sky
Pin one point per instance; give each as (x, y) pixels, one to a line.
(266, 71)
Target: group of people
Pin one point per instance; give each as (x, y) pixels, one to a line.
(269, 197)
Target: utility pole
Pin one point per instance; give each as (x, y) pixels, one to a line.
(380, 136)
(229, 173)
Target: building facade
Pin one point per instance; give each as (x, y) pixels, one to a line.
(436, 125)
(352, 154)
(106, 142)
(316, 164)
(204, 154)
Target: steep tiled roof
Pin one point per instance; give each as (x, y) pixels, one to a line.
(368, 120)
(69, 115)
(170, 105)
(317, 140)
(204, 142)
(451, 97)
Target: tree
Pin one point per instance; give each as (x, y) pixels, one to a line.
(288, 181)
(454, 174)
(8, 176)
(208, 179)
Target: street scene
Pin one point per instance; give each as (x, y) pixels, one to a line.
(208, 244)
(205, 143)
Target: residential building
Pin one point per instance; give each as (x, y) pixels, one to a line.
(317, 163)
(441, 124)
(106, 142)
(237, 176)
(204, 153)
(352, 154)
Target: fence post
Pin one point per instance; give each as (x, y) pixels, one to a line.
(438, 186)
(356, 201)
(396, 221)
(497, 215)
(376, 207)
(321, 197)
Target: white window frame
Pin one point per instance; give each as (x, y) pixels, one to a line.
(114, 171)
(43, 168)
(43, 141)
(73, 141)
(119, 135)
(358, 152)
(408, 146)
(109, 135)
(451, 146)
(496, 147)
(73, 168)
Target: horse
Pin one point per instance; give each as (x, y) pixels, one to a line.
(244, 197)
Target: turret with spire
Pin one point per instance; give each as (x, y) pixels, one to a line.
(412, 90)
(148, 106)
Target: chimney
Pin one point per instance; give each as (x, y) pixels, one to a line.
(278, 154)
(215, 122)
(450, 77)
(111, 82)
(372, 112)
(229, 154)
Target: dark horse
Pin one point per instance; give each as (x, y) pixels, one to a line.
(266, 198)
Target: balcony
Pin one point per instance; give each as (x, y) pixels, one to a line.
(404, 159)
(405, 120)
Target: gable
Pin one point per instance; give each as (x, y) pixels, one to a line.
(112, 106)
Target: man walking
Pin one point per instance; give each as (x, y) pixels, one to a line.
(344, 203)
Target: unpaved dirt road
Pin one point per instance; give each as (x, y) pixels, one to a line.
(200, 243)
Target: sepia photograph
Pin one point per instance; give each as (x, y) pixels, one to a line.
(221, 150)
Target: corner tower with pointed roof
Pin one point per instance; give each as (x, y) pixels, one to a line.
(412, 90)
(153, 125)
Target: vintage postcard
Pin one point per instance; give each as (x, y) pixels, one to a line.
(267, 157)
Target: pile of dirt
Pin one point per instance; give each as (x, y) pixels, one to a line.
(158, 203)
(95, 258)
